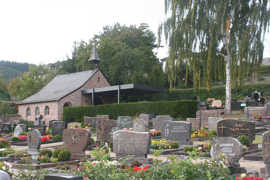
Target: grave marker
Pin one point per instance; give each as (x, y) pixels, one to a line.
(58, 127)
(159, 120)
(179, 131)
(76, 140)
(235, 128)
(141, 123)
(104, 129)
(18, 131)
(124, 122)
(228, 146)
(131, 143)
(34, 142)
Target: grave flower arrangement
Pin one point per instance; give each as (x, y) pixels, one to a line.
(22, 138)
(257, 116)
(45, 139)
(155, 132)
(200, 133)
(164, 144)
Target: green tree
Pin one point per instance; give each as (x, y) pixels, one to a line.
(30, 82)
(126, 54)
(229, 29)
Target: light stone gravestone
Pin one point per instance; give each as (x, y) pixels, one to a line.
(23, 126)
(230, 147)
(195, 123)
(58, 127)
(131, 143)
(212, 123)
(141, 123)
(217, 104)
(124, 122)
(267, 110)
(251, 112)
(34, 142)
(266, 152)
(204, 114)
(179, 131)
(236, 128)
(76, 140)
(18, 131)
(4, 175)
(159, 120)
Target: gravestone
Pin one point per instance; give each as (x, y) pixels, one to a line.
(23, 126)
(159, 120)
(195, 123)
(124, 122)
(103, 116)
(4, 175)
(76, 140)
(91, 121)
(267, 110)
(179, 131)
(58, 127)
(141, 123)
(74, 125)
(60, 176)
(131, 143)
(230, 147)
(251, 112)
(41, 128)
(212, 123)
(204, 114)
(34, 142)
(51, 123)
(266, 152)
(235, 128)
(18, 131)
(5, 128)
(104, 129)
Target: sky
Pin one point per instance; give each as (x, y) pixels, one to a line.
(43, 31)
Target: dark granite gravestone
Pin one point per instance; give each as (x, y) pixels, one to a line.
(5, 128)
(58, 128)
(76, 140)
(34, 142)
(141, 123)
(124, 122)
(4, 175)
(104, 129)
(179, 131)
(266, 152)
(159, 120)
(235, 128)
(230, 147)
(18, 131)
(60, 176)
(51, 123)
(131, 143)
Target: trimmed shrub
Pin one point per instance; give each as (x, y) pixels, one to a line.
(56, 152)
(64, 155)
(182, 109)
(46, 152)
(57, 138)
(244, 140)
(4, 144)
(15, 139)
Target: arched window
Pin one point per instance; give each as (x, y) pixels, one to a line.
(67, 104)
(28, 111)
(37, 112)
(47, 110)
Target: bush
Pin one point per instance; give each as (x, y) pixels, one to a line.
(64, 155)
(46, 152)
(6, 152)
(57, 138)
(44, 159)
(182, 109)
(15, 139)
(4, 144)
(244, 140)
(174, 144)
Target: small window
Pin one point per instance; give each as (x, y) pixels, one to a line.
(47, 110)
(37, 112)
(28, 111)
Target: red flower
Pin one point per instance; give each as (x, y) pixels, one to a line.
(22, 138)
(146, 167)
(45, 138)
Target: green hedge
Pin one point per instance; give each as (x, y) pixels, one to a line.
(182, 109)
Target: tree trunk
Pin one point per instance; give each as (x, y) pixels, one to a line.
(228, 100)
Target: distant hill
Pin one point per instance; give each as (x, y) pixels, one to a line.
(10, 70)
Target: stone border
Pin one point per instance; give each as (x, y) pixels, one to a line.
(44, 165)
